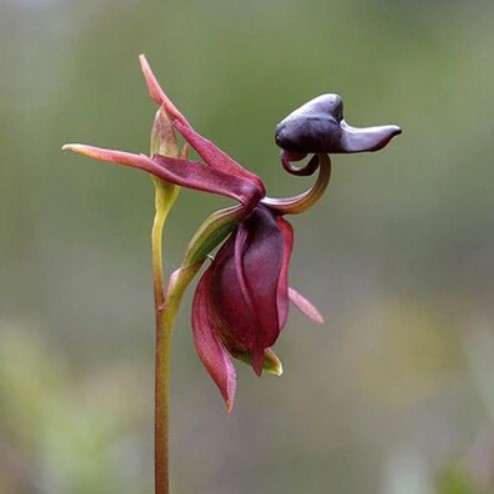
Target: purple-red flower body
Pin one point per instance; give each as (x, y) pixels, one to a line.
(241, 302)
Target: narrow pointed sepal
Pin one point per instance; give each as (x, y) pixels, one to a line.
(186, 173)
(194, 175)
(215, 157)
(157, 94)
(304, 306)
(209, 348)
(138, 161)
(282, 297)
(212, 155)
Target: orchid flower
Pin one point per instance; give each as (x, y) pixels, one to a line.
(241, 302)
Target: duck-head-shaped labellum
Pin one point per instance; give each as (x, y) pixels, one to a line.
(318, 127)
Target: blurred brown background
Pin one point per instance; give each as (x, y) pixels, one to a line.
(395, 394)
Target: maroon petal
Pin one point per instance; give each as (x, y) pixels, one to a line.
(245, 283)
(262, 262)
(177, 171)
(215, 157)
(231, 298)
(157, 94)
(209, 348)
(282, 296)
(193, 175)
(138, 161)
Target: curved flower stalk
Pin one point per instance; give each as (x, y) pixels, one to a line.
(241, 302)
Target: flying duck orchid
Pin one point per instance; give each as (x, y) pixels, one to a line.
(241, 301)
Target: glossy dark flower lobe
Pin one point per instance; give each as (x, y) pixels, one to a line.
(241, 302)
(318, 127)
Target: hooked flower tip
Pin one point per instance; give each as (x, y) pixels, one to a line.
(69, 147)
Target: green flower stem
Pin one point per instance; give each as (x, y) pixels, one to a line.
(165, 320)
(210, 234)
(162, 348)
(166, 310)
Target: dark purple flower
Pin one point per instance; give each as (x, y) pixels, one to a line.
(318, 127)
(241, 302)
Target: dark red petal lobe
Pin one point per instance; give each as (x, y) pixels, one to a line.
(199, 177)
(178, 171)
(215, 157)
(282, 296)
(256, 335)
(245, 284)
(232, 302)
(209, 348)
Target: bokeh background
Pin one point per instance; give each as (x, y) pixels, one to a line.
(395, 393)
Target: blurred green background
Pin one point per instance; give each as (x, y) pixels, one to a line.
(395, 393)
